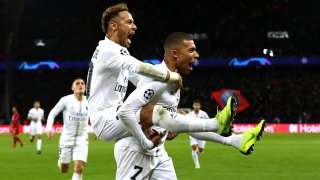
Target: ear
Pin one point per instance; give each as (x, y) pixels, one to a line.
(113, 26)
(175, 53)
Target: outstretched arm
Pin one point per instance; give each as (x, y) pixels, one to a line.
(53, 113)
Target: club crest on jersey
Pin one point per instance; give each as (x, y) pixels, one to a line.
(148, 94)
(124, 52)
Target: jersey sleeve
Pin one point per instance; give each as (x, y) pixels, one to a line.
(147, 91)
(30, 113)
(125, 61)
(134, 78)
(54, 112)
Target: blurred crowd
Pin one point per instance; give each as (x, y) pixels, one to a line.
(71, 30)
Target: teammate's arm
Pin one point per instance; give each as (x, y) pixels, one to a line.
(136, 100)
(127, 61)
(53, 113)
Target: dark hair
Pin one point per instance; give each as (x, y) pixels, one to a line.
(197, 101)
(110, 13)
(76, 78)
(174, 39)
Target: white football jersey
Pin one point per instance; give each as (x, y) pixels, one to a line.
(36, 113)
(201, 114)
(156, 92)
(75, 120)
(110, 68)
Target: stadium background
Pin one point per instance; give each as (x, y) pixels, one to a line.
(36, 31)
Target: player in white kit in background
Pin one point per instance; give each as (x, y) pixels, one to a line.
(111, 68)
(73, 145)
(135, 162)
(36, 116)
(197, 146)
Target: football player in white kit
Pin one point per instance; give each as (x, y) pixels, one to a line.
(73, 145)
(135, 162)
(36, 116)
(111, 68)
(197, 146)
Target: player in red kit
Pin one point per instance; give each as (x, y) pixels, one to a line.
(15, 127)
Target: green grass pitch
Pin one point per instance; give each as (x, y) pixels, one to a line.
(276, 156)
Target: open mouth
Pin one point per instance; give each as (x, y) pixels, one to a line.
(129, 38)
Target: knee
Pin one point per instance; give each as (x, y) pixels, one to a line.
(78, 168)
(200, 150)
(194, 147)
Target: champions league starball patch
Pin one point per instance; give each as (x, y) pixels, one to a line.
(148, 94)
(124, 52)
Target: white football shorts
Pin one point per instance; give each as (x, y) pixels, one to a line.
(137, 166)
(72, 153)
(35, 128)
(193, 141)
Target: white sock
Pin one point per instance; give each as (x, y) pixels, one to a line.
(233, 140)
(195, 157)
(76, 176)
(39, 142)
(182, 123)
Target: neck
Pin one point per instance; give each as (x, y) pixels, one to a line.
(113, 37)
(171, 66)
(196, 111)
(79, 96)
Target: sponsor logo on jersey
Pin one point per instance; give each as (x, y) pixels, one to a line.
(77, 116)
(120, 88)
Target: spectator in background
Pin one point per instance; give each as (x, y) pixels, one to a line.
(15, 127)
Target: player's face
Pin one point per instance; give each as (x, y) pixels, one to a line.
(125, 28)
(78, 86)
(36, 104)
(187, 55)
(196, 106)
(14, 109)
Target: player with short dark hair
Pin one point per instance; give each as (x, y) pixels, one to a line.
(73, 145)
(135, 162)
(111, 68)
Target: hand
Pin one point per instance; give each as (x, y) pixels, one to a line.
(178, 84)
(49, 134)
(155, 137)
(171, 135)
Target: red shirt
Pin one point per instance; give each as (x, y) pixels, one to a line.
(15, 120)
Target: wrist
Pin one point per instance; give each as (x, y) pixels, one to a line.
(173, 76)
